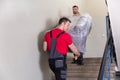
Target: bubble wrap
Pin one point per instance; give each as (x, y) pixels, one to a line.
(80, 30)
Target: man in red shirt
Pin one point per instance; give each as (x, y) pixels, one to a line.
(56, 42)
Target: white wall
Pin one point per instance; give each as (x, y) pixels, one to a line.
(114, 12)
(97, 39)
(22, 25)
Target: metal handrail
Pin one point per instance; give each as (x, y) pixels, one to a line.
(106, 59)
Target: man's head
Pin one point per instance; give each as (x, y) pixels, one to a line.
(75, 9)
(64, 23)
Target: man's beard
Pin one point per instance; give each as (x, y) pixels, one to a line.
(75, 12)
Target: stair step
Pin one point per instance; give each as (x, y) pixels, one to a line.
(85, 64)
(88, 71)
(89, 64)
(80, 71)
(86, 75)
(74, 78)
(82, 75)
(82, 68)
(91, 59)
(86, 60)
(86, 68)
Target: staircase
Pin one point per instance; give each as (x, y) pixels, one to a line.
(88, 71)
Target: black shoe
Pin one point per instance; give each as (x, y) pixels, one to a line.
(74, 62)
(80, 63)
(80, 60)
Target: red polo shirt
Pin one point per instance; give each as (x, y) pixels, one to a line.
(62, 42)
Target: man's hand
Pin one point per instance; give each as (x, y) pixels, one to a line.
(74, 49)
(76, 56)
(45, 46)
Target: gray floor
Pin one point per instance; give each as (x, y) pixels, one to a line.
(117, 78)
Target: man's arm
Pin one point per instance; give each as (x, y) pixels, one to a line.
(74, 49)
(45, 46)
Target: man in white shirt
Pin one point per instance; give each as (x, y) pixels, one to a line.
(75, 18)
(79, 30)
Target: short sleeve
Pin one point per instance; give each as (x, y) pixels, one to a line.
(68, 39)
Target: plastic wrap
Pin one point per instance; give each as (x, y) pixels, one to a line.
(80, 31)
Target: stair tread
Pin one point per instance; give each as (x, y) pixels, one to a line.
(71, 78)
(78, 78)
